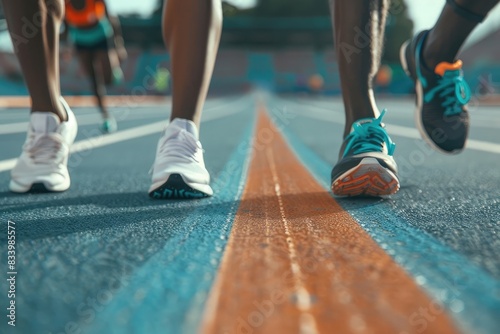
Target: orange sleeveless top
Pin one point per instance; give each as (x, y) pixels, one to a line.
(91, 13)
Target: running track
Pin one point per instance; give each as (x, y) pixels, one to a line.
(273, 251)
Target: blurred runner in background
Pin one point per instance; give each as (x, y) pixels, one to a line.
(94, 34)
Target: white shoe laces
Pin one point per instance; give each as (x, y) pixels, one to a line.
(182, 146)
(45, 148)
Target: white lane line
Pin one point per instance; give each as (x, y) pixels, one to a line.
(307, 323)
(99, 141)
(23, 126)
(140, 131)
(484, 119)
(94, 117)
(7, 164)
(404, 131)
(81, 119)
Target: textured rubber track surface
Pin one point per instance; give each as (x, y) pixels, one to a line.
(299, 263)
(104, 257)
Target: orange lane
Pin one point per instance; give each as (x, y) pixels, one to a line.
(89, 101)
(296, 262)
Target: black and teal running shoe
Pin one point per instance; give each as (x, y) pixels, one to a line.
(442, 95)
(366, 166)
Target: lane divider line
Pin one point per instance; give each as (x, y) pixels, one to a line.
(87, 119)
(296, 262)
(307, 323)
(168, 292)
(404, 131)
(123, 135)
(332, 107)
(467, 292)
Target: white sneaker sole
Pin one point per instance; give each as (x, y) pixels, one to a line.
(38, 187)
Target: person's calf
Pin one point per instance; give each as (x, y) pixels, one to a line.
(456, 22)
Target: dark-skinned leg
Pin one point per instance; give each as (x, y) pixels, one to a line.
(451, 30)
(359, 32)
(42, 165)
(366, 166)
(41, 73)
(88, 59)
(191, 30)
(442, 94)
(118, 38)
(110, 64)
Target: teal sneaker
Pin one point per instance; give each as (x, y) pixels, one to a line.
(366, 166)
(109, 125)
(117, 75)
(442, 95)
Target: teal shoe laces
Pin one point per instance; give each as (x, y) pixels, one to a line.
(369, 137)
(455, 91)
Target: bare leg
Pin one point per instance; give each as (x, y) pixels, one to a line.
(108, 61)
(94, 70)
(34, 28)
(118, 38)
(451, 30)
(191, 30)
(359, 31)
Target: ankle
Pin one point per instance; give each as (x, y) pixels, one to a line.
(63, 117)
(430, 56)
(61, 112)
(105, 114)
(56, 109)
(430, 60)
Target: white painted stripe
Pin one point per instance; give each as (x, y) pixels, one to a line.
(479, 118)
(304, 303)
(483, 146)
(23, 126)
(87, 118)
(117, 137)
(404, 131)
(140, 131)
(7, 164)
(93, 118)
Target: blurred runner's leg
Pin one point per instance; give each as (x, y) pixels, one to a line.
(92, 35)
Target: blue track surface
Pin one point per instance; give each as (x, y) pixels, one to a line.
(105, 258)
(467, 291)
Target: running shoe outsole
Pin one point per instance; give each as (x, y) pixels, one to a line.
(35, 188)
(368, 178)
(176, 188)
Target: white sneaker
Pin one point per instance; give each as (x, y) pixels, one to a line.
(179, 170)
(42, 165)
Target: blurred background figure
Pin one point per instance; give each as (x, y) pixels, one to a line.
(98, 43)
